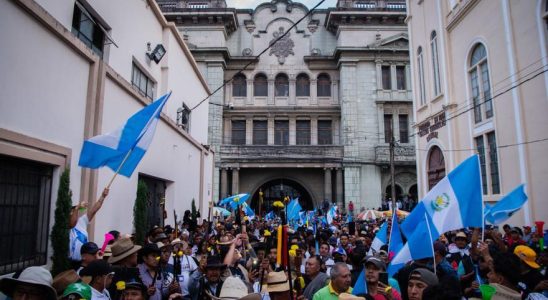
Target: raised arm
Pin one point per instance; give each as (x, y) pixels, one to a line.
(97, 205)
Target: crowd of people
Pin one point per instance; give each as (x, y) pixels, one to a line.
(237, 258)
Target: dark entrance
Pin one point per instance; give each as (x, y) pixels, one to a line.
(388, 192)
(156, 200)
(436, 166)
(277, 189)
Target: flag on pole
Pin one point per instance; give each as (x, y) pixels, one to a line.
(453, 203)
(380, 238)
(122, 149)
(396, 242)
(331, 214)
(506, 207)
(360, 287)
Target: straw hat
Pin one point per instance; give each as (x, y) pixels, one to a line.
(64, 279)
(277, 282)
(235, 288)
(346, 296)
(35, 276)
(121, 249)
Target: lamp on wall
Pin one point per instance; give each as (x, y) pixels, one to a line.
(157, 54)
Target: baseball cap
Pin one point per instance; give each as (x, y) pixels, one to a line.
(527, 255)
(461, 235)
(89, 248)
(425, 276)
(376, 262)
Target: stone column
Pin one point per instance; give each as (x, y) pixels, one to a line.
(249, 92)
(235, 181)
(270, 99)
(327, 185)
(339, 187)
(249, 131)
(335, 91)
(224, 182)
(313, 92)
(378, 67)
(393, 81)
(270, 131)
(313, 130)
(214, 75)
(292, 131)
(292, 90)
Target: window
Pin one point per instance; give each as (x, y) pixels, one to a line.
(281, 132)
(87, 29)
(324, 85)
(260, 86)
(400, 78)
(281, 85)
(436, 166)
(25, 204)
(325, 135)
(435, 63)
(238, 132)
(260, 132)
(142, 82)
(239, 86)
(386, 78)
(303, 85)
(303, 132)
(420, 65)
(489, 163)
(404, 128)
(479, 82)
(388, 126)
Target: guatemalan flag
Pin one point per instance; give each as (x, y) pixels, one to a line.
(380, 238)
(506, 207)
(131, 140)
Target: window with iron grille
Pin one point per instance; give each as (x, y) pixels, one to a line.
(260, 86)
(303, 132)
(479, 82)
(400, 78)
(260, 132)
(325, 134)
(387, 128)
(88, 30)
(480, 146)
(25, 201)
(386, 78)
(239, 86)
(420, 69)
(324, 85)
(404, 128)
(493, 162)
(281, 132)
(303, 86)
(435, 63)
(238, 132)
(281, 85)
(142, 82)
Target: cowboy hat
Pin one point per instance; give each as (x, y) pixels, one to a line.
(121, 249)
(277, 282)
(235, 288)
(35, 276)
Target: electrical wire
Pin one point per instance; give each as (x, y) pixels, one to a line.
(498, 147)
(256, 58)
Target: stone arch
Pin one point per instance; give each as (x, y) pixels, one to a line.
(306, 196)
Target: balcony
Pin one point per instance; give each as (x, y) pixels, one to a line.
(403, 155)
(286, 153)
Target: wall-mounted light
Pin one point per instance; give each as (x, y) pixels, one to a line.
(157, 54)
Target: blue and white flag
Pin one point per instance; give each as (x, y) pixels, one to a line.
(453, 203)
(396, 242)
(122, 149)
(380, 238)
(360, 287)
(331, 214)
(506, 207)
(293, 209)
(234, 201)
(248, 211)
(270, 216)
(419, 245)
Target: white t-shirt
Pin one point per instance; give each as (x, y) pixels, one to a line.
(78, 237)
(96, 295)
(187, 265)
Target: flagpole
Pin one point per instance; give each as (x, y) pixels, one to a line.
(431, 241)
(119, 168)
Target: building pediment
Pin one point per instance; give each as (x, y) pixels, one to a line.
(396, 42)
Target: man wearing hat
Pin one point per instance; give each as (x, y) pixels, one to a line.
(76, 291)
(88, 252)
(34, 283)
(133, 289)
(124, 261)
(149, 272)
(101, 274)
(62, 280)
(277, 286)
(207, 279)
(186, 262)
(235, 288)
(378, 290)
(529, 269)
(420, 279)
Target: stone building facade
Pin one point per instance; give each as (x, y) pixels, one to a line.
(312, 116)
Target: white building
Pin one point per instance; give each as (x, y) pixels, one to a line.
(76, 69)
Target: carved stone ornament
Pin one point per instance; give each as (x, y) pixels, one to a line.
(283, 47)
(247, 52)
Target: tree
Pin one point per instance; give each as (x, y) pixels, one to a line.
(140, 213)
(194, 212)
(60, 231)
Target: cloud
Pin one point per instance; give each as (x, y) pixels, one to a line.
(254, 3)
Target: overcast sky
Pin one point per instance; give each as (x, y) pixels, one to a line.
(254, 3)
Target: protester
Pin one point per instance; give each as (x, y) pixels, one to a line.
(62, 280)
(529, 269)
(207, 279)
(278, 286)
(76, 291)
(150, 272)
(340, 283)
(89, 252)
(34, 283)
(418, 281)
(101, 274)
(377, 289)
(316, 279)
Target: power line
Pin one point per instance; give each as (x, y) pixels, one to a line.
(498, 147)
(489, 99)
(256, 58)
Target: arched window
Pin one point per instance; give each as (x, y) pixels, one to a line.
(281, 85)
(260, 86)
(435, 63)
(239, 86)
(479, 82)
(324, 85)
(420, 67)
(436, 166)
(303, 85)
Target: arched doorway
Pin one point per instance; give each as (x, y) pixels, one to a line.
(436, 166)
(413, 192)
(277, 189)
(388, 192)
